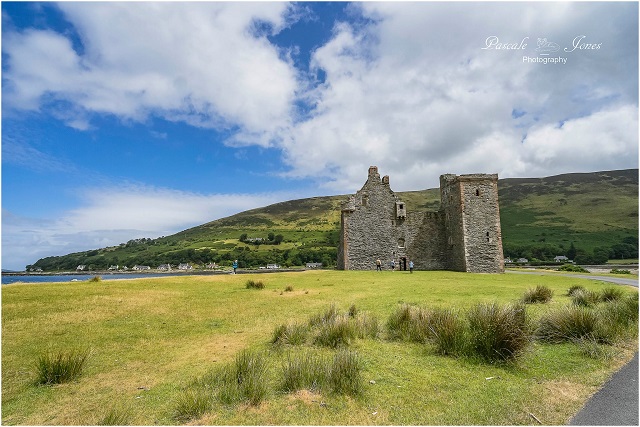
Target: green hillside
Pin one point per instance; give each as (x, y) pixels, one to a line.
(541, 218)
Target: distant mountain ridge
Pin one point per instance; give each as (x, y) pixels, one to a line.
(539, 216)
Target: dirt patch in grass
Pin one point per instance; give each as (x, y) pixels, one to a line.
(307, 397)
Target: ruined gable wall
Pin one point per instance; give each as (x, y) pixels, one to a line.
(369, 231)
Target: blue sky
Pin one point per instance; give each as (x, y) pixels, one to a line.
(124, 120)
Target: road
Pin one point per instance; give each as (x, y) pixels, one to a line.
(612, 279)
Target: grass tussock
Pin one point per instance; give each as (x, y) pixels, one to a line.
(611, 294)
(60, 367)
(291, 334)
(95, 279)
(253, 284)
(575, 288)
(288, 288)
(449, 332)
(245, 379)
(569, 323)
(116, 416)
(328, 329)
(345, 373)
(192, 404)
(585, 298)
(304, 371)
(498, 332)
(409, 323)
(540, 295)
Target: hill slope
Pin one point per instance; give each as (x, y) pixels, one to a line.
(540, 218)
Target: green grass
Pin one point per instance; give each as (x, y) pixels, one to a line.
(155, 339)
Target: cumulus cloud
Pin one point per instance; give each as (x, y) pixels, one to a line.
(415, 94)
(196, 62)
(113, 215)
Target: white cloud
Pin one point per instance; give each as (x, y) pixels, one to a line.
(197, 62)
(416, 95)
(110, 216)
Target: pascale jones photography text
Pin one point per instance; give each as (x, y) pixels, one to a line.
(578, 43)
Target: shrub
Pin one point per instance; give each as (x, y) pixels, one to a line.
(252, 284)
(344, 374)
(569, 323)
(573, 268)
(60, 367)
(611, 294)
(575, 288)
(293, 334)
(498, 332)
(585, 298)
(304, 371)
(449, 332)
(192, 404)
(616, 271)
(337, 332)
(95, 279)
(541, 294)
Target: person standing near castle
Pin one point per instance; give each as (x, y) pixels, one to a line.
(392, 264)
(235, 266)
(378, 265)
(410, 266)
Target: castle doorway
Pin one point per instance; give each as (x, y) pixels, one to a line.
(403, 264)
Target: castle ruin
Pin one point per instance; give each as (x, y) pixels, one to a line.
(464, 235)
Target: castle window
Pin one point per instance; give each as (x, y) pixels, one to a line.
(477, 192)
(488, 238)
(450, 240)
(365, 200)
(401, 243)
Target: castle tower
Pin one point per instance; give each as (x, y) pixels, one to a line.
(472, 222)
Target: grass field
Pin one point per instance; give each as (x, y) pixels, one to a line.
(149, 340)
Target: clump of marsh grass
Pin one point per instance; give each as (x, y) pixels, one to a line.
(60, 367)
(252, 284)
(116, 416)
(327, 316)
(245, 379)
(496, 332)
(611, 294)
(291, 334)
(304, 371)
(288, 288)
(541, 294)
(591, 348)
(345, 373)
(192, 404)
(409, 323)
(585, 298)
(575, 288)
(340, 331)
(334, 329)
(95, 279)
(449, 332)
(569, 323)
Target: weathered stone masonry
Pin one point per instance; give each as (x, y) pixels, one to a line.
(464, 235)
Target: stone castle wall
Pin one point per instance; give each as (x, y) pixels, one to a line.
(464, 235)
